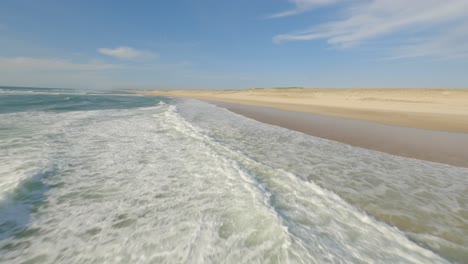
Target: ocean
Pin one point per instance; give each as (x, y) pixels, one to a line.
(111, 177)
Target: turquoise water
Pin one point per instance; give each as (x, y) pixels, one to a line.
(96, 177)
(14, 99)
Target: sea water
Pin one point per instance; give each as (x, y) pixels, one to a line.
(96, 177)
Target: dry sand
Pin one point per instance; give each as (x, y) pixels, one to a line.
(396, 121)
(433, 109)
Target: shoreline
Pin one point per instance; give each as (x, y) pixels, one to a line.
(413, 140)
(435, 146)
(428, 109)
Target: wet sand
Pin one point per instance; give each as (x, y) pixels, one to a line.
(431, 109)
(437, 146)
(427, 124)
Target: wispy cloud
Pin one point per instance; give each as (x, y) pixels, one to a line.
(96, 74)
(442, 26)
(128, 53)
(451, 44)
(42, 64)
(302, 6)
(55, 72)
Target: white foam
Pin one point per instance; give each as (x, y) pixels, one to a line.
(148, 186)
(416, 196)
(25, 145)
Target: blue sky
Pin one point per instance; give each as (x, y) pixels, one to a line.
(217, 44)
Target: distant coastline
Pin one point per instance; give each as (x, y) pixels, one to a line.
(425, 124)
(429, 109)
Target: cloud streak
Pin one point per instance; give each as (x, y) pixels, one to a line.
(58, 72)
(128, 53)
(302, 6)
(439, 24)
(41, 64)
(53, 72)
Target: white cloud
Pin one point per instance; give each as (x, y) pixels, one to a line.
(452, 44)
(42, 72)
(95, 74)
(41, 64)
(441, 24)
(127, 53)
(302, 6)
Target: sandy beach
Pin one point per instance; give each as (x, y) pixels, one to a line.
(432, 109)
(429, 124)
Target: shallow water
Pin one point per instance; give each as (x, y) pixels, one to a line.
(117, 178)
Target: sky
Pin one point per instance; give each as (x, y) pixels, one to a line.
(226, 44)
